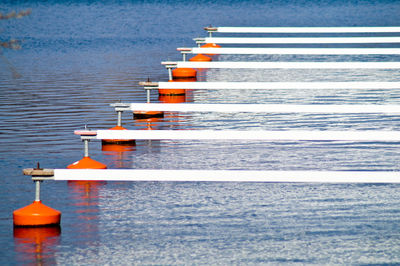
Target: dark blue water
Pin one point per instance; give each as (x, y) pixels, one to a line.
(78, 57)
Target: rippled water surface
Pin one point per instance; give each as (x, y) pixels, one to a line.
(79, 57)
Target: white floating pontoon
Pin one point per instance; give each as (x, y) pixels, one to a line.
(287, 65)
(276, 135)
(296, 40)
(227, 176)
(293, 51)
(302, 29)
(267, 108)
(270, 85)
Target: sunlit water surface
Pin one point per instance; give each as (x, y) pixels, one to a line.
(78, 58)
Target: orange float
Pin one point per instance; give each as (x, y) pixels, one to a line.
(118, 141)
(36, 214)
(179, 73)
(210, 45)
(87, 163)
(200, 58)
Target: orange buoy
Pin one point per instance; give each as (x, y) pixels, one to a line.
(36, 214)
(118, 141)
(210, 45)
(179, 73)
(200, 58)
(87, 163)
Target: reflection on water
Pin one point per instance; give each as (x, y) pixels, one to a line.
(148, 123)
(36, 245)
(84, 199)
(85, 196)
(187, 97)
(116, 155)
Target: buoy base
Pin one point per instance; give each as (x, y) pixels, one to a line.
(35, 215)
(128, 142)
(172, 98)
(87, 163)
(200, 58)
(37, 234)
(118, 141)
(178, 73)
(147, 114)
(111, 149)
(211, 45)
(171, 92)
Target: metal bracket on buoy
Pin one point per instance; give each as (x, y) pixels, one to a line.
(169, 65)
(199, 41)
(184, 52)
(148, 85)
(86, 136)
(39, 175)
(120, 107)
(210, 29)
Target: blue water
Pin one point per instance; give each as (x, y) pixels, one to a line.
(77, 57)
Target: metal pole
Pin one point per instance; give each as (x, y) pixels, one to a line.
(184, 56)
(37, 193)
(86, 144)
(119, 121)
(148, 95)
(169, 73)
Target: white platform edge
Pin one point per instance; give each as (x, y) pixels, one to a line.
(299, 40)
(278, 85)
(288, 65)
(305, 29)
(293, 51)
(278, 135)
(228, 176)
(268, 108)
